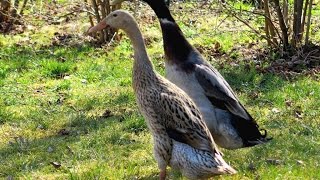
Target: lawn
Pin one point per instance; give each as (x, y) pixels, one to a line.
(67, 108)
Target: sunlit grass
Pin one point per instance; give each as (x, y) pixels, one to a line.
(54, 102)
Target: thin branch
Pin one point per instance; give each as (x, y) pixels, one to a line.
(103, 14)
(308, 23)
(89, 13)
(268, 22)
(136, 4)
(283, 26)
(305, 9)
(102, 8)
(253, 29)
(13, 15)
(248, 25)
(22, 7)
(107, 4)
(269, 19)
(96, 10)
(285, 11)
(112, 39)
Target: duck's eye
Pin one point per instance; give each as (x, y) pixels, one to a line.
(115, 15)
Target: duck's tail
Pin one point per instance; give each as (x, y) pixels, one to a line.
(249, 131)
(223, 167)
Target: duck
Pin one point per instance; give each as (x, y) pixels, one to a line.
(230, 124)
(181, 139)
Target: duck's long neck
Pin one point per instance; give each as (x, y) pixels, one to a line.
(142, 61)
(176, 46)
(142, 66)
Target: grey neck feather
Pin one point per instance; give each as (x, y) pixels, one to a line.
(142, 61)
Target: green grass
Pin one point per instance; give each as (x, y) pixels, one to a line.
(53, 100)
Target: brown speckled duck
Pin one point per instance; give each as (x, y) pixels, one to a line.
(229, 122)
(181, 138)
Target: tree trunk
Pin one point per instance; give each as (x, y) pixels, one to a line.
(297, 13)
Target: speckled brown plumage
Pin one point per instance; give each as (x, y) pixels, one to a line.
(181, 138)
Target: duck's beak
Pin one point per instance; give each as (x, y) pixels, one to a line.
(101, 25)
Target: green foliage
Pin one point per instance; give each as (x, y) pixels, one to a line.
(56, 69)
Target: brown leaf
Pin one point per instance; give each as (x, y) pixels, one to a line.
(288, 103)
(254, 95)
(274, 161)
(217, 46)
(70, 150)
(64, 132)
(250, 45)
(107, 113)
(251, 167)
(298, 112)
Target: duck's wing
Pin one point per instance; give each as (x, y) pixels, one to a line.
(221, 96)
(218, 91)
(184, 123)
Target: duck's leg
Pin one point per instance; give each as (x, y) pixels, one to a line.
(162, 175)
(162, 152)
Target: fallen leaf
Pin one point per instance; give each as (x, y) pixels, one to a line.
(55, 164)
(254, 95)
(40, 127)
(299, 162)
(275, 110)
(84, 81)
(298, 114)
(274, 161)
(107, 113)
(66, 77)
(288, 103)
(251, 167)
(70, 150)
(64, 132)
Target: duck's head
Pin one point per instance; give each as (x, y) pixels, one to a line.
(160, 8)
(118, 19)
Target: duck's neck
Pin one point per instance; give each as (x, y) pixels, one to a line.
(142, 66)
(140, 54)
(176, 46)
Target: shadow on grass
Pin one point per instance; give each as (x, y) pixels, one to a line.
(242, 79)
(22, 156)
